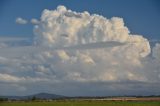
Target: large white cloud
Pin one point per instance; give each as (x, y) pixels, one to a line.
(112, 67)
(62, 27)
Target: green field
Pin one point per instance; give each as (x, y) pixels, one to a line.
(82, 103)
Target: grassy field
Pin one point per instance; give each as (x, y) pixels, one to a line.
(83, 103)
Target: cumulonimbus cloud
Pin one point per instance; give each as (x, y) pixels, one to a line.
(83, 48)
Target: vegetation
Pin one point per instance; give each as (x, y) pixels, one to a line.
(3, 99)
(82, 103)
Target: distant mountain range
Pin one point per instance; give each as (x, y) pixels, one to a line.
(37, 96)
(47, 96)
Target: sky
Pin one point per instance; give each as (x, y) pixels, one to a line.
(142, 17)
(80, 48)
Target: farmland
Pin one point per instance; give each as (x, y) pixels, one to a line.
(83, 103)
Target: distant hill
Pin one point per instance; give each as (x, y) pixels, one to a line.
(38, 96)
(46, 96)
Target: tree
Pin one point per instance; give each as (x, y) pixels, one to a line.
(33, 98)
(3, 99)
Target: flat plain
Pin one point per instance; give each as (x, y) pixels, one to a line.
(83, 103)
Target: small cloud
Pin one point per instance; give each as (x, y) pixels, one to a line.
(34, 21)
(20, 20)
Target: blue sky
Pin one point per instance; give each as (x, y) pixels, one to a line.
(141, 16)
